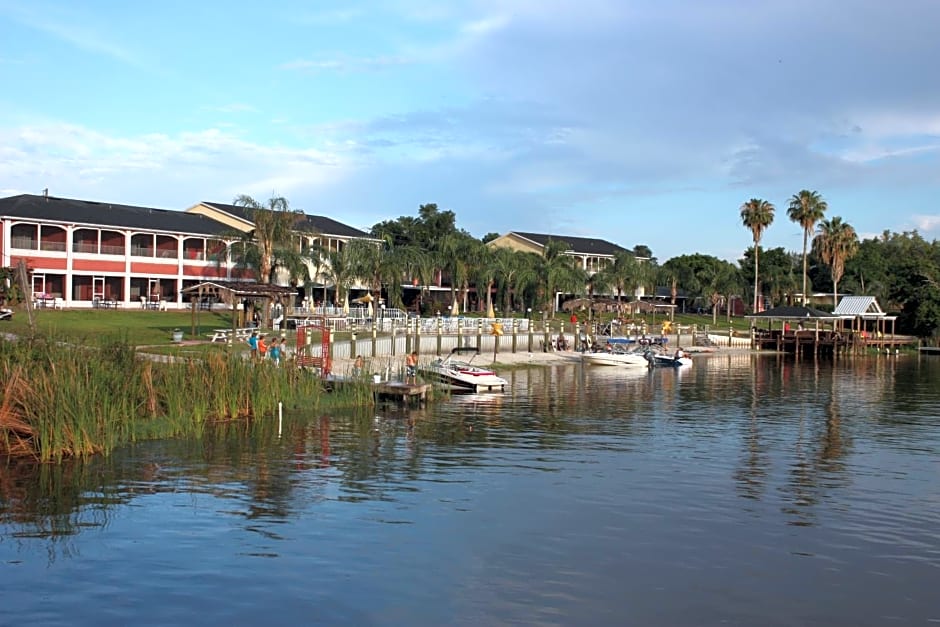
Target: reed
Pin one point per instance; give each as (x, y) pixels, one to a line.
(62, 400)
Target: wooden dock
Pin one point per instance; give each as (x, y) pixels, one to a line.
(404, 393)
(828, 342)
(929, 350)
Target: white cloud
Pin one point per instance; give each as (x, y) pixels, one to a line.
(69, 26)
(158, 169)
(345, 63)
(926, 223)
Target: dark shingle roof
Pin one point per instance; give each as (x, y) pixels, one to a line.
(791, 312)
(315, 224)
(102, 214)
(584, 245)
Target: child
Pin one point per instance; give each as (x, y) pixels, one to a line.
(285, 352)
(262, 346)
(411, 368)
(274, 352)
(253, 345)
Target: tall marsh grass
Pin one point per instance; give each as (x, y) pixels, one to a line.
(61, 400)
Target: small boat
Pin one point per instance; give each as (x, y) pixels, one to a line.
(664, 360)
(460, 375)
(617, 355)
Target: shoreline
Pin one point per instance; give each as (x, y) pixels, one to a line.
(523, 358)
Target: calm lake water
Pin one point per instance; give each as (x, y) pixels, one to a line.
(746, 490)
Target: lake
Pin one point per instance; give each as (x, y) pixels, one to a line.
(745, 490)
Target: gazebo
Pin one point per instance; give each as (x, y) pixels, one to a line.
(861, 310)
(234, 293)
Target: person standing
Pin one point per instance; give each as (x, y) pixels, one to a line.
(411, 368)
(274, 352)
(262, 347)
(253, 345)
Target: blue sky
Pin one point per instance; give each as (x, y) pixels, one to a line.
(637, 122)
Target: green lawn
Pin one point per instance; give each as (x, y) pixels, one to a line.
(155, 328)
(139, 328)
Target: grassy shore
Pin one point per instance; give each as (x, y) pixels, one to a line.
(61, 399)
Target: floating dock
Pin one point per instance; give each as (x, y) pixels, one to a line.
(396, 391)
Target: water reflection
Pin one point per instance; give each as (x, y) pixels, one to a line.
(646, 477)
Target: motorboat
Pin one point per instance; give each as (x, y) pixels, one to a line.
(459, 375)
(665, 360)
(617, 354)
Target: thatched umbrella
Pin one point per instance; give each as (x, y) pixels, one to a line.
(576, 303)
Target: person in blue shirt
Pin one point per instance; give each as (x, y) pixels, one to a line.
(274, 352)
(253, 345)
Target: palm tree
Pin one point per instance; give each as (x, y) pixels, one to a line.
(274, 223)
(806, 209)
(557, 271)
(624, 274)
(835, 241)
(757, 215)
(340, 269)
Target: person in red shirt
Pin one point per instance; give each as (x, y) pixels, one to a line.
(262, 346)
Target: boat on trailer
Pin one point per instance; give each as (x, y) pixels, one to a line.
(459, 375)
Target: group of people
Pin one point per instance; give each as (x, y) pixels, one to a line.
(261, 350)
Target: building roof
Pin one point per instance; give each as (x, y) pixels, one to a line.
(788, 312)
(862, 306)
(239, 289)
(103, 214)
(579, 245)
(313, 224)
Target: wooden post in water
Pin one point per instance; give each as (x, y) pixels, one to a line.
(417, 338)
(440, 330)
(374, 338)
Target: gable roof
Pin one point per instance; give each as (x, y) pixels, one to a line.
(580, 245)
(789, 312)
(862, 306)
(239, 289)
(103, 214)
(308, 223)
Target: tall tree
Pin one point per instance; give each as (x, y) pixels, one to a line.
(274, 222)
(340, 270)
(757, 214)
(625, 274)
(835, 242)
(558, 271)
(806, 209)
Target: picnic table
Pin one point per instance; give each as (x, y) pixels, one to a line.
(224, 335)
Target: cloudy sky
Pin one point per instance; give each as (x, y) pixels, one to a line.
(635, 121)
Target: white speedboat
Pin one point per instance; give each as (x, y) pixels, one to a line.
(460, 375)
(617, 355)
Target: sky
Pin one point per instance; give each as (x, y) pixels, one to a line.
(638, 122)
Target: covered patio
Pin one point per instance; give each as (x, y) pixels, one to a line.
(796, 329)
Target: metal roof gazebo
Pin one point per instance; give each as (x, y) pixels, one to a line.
(233, 293)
